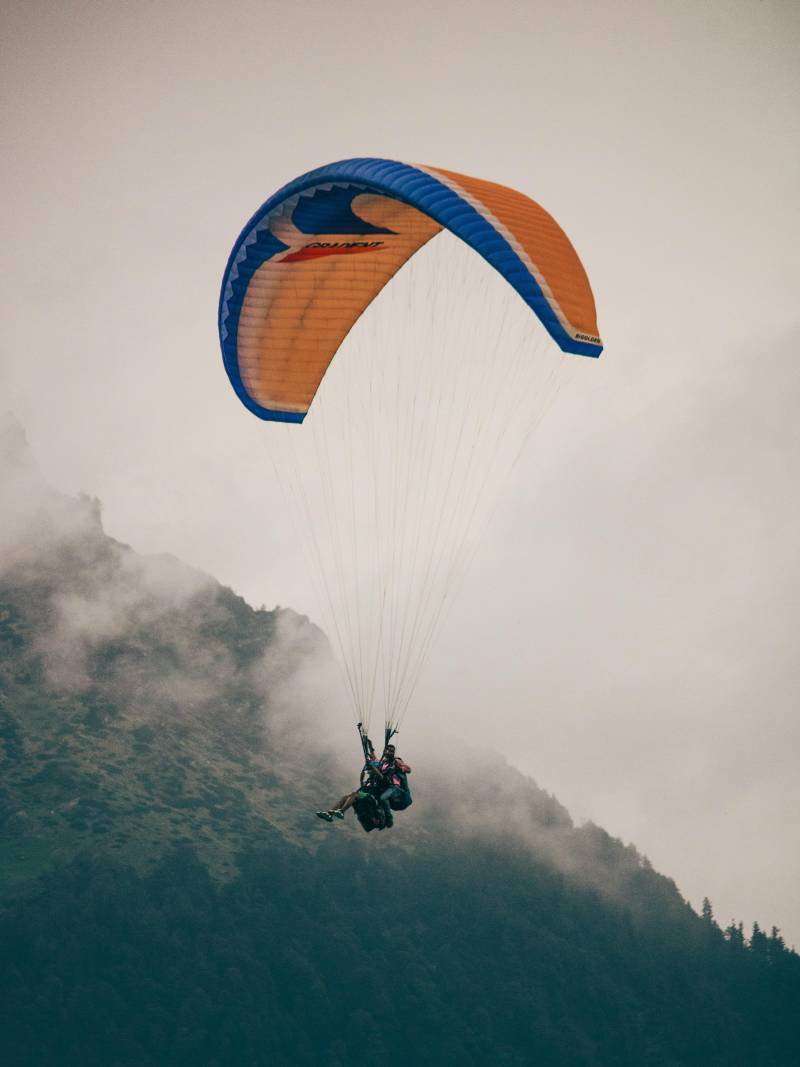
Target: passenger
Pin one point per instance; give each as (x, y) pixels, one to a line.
(368, 784)
(337, 812)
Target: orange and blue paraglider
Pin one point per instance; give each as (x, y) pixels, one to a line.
(318, 252)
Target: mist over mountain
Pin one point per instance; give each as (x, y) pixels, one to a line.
(167, 895)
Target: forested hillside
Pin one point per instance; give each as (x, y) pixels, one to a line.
(168, 897)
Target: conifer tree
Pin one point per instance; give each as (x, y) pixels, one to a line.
(708, 912)
(734, 934)
(758, 942)
(776, 946)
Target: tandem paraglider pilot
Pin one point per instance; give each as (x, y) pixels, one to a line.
(383, 789)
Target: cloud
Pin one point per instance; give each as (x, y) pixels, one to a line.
(302, 685)
(84, 592)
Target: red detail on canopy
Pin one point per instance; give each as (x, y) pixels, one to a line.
(318, 253)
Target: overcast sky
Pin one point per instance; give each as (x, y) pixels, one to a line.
(628, 632)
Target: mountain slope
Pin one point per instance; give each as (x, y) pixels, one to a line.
(167, 896)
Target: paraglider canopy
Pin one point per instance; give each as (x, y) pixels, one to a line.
(317, 253)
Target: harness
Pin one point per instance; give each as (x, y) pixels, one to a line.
(366, 744)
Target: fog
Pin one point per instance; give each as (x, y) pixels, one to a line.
(626, 632)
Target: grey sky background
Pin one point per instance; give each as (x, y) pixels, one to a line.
(628, 632)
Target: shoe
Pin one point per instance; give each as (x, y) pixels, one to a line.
(337, 813)
(326, 815)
